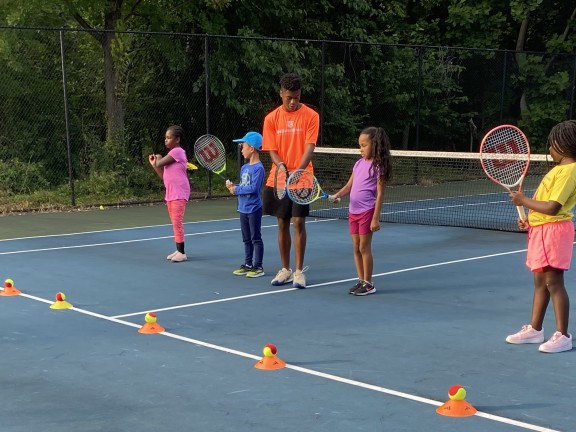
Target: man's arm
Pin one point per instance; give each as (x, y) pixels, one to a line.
(307, 156)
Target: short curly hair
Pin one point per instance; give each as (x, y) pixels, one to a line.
(291, 82)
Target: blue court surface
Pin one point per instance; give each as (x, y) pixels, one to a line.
(446, 299)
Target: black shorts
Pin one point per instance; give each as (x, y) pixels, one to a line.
(284, 208)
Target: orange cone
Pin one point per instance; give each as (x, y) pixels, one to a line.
(270, 361)
(9, 289)
(151, 326)
(60, 302)
(456, 406)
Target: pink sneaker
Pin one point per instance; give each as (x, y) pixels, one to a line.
(557, 343)
(526, 335)
(179, 257)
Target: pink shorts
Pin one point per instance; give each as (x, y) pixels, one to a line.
(550, 245)
(360, 223)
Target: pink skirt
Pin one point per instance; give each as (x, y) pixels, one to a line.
(550, 245)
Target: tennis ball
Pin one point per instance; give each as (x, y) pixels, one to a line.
(272, 348)
(457, 393)
(101, 207)
(8, 283)
(60, 296)
(267, 352)
(150, 317)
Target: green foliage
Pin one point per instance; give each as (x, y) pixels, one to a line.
(161, 80)
(18, 177)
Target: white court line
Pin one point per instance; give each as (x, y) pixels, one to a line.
(320, 284)
(141, 240)
(313, 372)
(112, 230)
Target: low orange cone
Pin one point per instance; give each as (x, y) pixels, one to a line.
(9, 289)
(151, 326)
(60, 302)
(456, 406)
(270, 361)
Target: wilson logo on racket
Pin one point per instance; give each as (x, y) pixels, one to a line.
(509, 147)
(210, 153)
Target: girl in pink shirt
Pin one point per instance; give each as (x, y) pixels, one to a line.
(366, 188)
(172, 170)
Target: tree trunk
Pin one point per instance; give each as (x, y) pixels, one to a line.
(520, 61)
(114, 106)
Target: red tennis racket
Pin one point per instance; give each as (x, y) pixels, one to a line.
(505, 157)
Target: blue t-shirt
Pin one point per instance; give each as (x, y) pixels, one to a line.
(249, 190)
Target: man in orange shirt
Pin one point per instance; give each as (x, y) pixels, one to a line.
(290, 133)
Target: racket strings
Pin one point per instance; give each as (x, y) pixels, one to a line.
(303, 187)
(505, 156)
(280, 180)
(210, 154)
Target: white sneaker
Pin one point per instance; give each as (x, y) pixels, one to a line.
(526, 335)
(299, 278)
(179, 257)
(172, 255)
(282, 277)
(557, 343)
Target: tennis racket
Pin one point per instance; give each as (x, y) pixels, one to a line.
(211, 154)
(280, 181)
(303, 188)
(505, 157)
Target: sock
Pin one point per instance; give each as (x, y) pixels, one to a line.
(180, 247)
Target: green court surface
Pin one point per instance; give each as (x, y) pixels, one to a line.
(37, 224)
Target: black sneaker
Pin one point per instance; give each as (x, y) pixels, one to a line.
(355, 287)
(365, 289)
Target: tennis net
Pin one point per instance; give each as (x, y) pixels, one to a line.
(429, 188)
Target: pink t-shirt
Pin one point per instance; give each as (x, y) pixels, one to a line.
(175, 177)
(364, 187)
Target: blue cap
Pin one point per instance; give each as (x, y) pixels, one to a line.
(252, 138)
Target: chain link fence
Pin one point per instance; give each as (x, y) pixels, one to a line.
(80, 111)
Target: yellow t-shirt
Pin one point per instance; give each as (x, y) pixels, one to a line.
(558, 185)
(288, 133)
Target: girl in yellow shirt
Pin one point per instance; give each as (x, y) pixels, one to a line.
(550, 241)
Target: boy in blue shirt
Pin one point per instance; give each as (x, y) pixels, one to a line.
(249, 192)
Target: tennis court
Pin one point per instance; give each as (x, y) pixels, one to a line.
(446, 299)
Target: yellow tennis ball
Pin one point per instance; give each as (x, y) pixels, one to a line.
(8, 283)
(457, 393)
(267, 352)
(150, 317)
(101, 207)
(60, 296)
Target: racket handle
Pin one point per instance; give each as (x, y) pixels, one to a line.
(521, 213)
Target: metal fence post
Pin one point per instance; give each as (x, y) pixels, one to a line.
(66, 120)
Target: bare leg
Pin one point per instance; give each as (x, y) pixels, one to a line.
(357, 256)
(367, 258)
(299, 241)
(540, 301)
(284, 241)
(559, 297)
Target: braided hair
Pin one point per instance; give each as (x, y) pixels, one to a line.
(563, 138)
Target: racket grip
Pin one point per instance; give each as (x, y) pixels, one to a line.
(521, 213)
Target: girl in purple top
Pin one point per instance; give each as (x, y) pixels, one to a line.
(172, 170)
(366, 188)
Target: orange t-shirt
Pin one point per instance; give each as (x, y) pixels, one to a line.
(288, 133)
